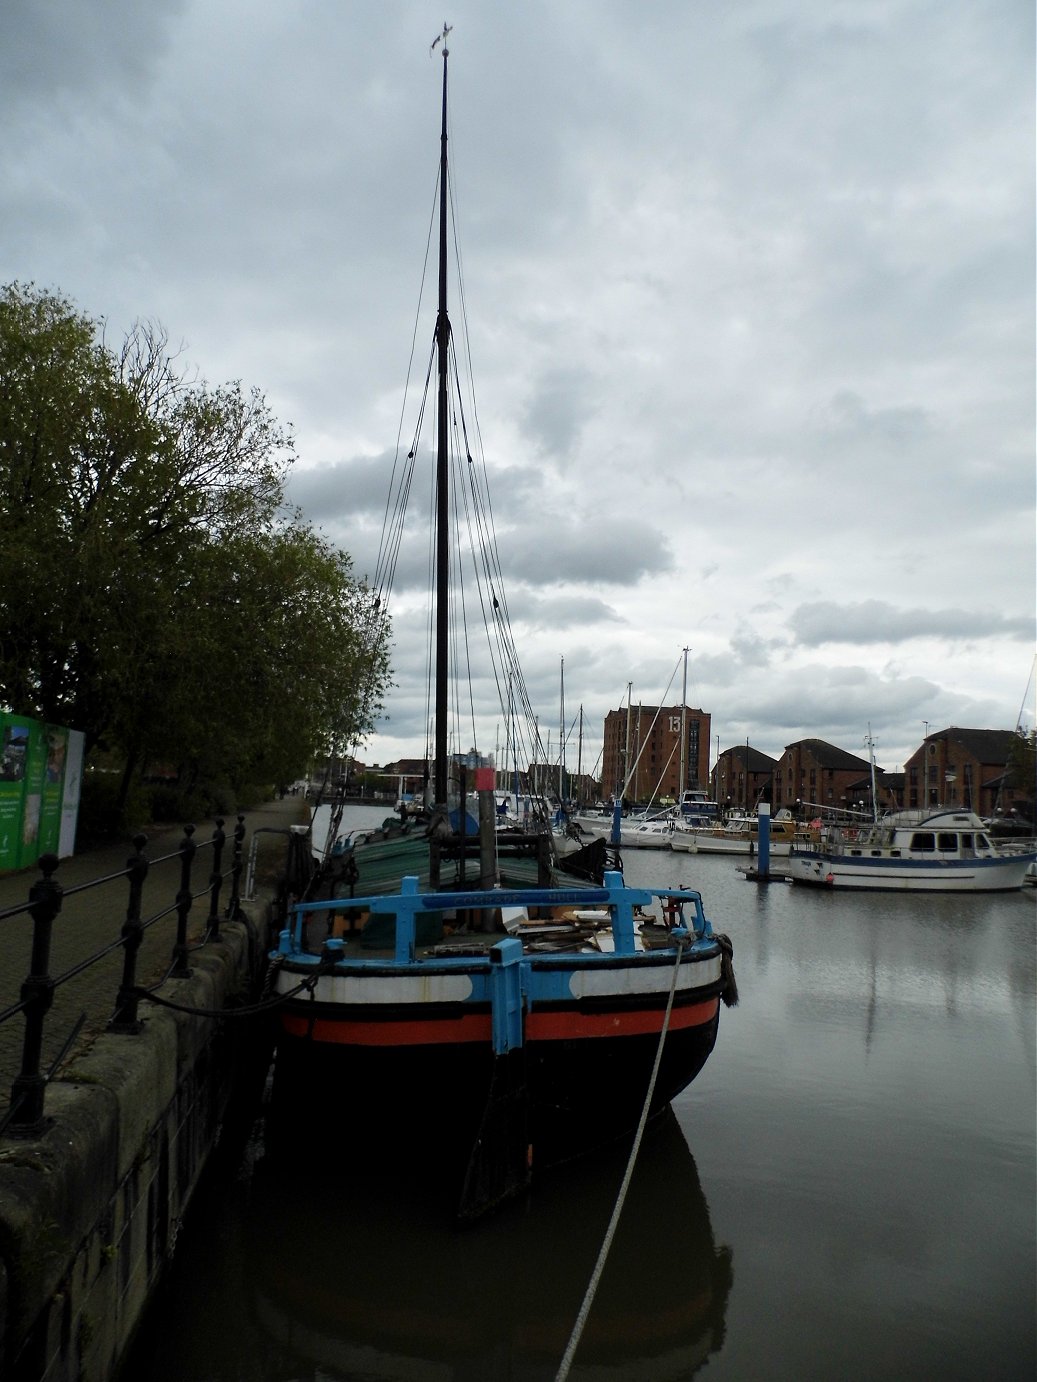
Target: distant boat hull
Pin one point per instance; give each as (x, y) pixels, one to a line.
(909, 875)
(700, 843)
(645, 838)
(940, 850)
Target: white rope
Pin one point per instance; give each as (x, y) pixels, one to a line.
(599, 1266)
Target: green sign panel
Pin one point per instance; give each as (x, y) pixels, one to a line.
(15, 738)
(37, 792)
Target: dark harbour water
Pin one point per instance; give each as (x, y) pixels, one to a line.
(849, 1190)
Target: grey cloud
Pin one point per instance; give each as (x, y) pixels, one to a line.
(750, 306)
(875, 621)
(563, 612)
(557, 411)
(62, 47)
(337, 493)
(564, 549)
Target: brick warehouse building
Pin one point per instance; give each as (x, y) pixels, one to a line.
(971, 768)
(743, 776)
(813, 773)
(649, 737)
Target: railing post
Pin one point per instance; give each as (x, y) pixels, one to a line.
(38, 992)
(215, 881)
(234, 904)
(181, 969)
(125, 1018)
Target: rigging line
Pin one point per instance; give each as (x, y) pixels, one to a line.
(460, 498)
(480, 485)
(663, 773)
(486, 559)
(406, 391)
(467, 481)
(644, 743)
(399, 493)
(429, 240)
(455, 221)
(610, 1232)
(484, 543)
(484, 590)
(501, 649)
(1026, 693)
(399, 498)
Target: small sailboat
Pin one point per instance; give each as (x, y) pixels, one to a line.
(740, 834)
(492, 1014)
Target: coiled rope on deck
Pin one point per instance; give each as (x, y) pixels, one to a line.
(610, 1232)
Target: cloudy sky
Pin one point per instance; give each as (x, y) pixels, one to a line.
(749, 287)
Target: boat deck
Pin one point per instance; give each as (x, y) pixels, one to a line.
(364, 937)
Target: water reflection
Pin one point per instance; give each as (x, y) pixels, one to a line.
(364, 1278)
(865, 1129)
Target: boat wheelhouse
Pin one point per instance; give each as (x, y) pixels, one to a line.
(938, 850)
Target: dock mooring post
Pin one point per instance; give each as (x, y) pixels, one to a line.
(763, 815)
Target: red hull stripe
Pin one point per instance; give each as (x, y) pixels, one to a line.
(565, 1026)
(540, 1026)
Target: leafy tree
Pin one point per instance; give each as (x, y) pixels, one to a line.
(1022, 771)
(158, 594)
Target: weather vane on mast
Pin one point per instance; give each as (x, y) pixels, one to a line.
(446, 29)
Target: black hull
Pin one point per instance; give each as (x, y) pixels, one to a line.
(429, 1103)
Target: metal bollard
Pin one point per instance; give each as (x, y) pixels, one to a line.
(181, 969)
(234, 904)
(38, 993)
(215, 881)
(125, 1018)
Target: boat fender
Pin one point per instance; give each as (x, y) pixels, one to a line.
(729, 995)
(830, 879)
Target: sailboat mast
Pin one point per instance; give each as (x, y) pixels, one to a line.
(683, 782)
(871, 759)
(626, 756)
(442, 479)
(579, 751)
(561, 735)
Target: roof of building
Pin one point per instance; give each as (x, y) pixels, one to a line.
(828, 756)
(408, 767)
(759, 762)
(987, 746)
(644, 709)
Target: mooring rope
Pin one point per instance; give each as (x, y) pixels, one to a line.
(245, 1010)
(610, 1232)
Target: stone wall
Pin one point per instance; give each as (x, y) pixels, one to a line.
(89, 1212)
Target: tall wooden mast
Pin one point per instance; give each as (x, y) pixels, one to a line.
(442, 478)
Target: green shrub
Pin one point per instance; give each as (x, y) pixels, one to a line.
(100, 816)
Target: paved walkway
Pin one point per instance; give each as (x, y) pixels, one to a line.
(91, 920)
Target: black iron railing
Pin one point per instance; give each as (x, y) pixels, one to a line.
(25, 1116)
